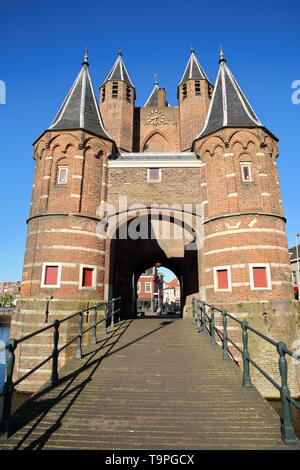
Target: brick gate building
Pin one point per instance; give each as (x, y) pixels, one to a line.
(106, 173)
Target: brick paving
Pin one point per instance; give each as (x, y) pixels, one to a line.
(149, 384)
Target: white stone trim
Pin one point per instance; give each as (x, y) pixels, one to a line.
(232, 195)
(219, 268)
(265, 194)
(63, 230)
(77, 177)
(44, 196)
(229, 175)
(154, 164)
(66, 247)
(49, 263)
(80, 157)
(76, 195)
(252, 247)
(245, 230)
(268, 273)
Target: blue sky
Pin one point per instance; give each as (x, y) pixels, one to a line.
(43, 45)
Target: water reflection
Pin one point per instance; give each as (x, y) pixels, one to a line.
(4, 335)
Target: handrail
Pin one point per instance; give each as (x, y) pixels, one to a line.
(206, 324)
(112, 312)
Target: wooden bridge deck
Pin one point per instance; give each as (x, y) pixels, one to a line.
(149, 384)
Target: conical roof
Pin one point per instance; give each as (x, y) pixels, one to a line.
(229, 107)
(80, 108)
(193, 70)
(118, 71)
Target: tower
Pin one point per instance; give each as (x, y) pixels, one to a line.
(117, 98)
(245, 252)
(194, 93)
(64, 257)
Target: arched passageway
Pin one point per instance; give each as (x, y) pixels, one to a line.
(143, 242)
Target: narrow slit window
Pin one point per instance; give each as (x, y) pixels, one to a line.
(184, 91)
(62, 176)
(115, 88)
(103, 94)
(197, 87)
(128, 93)
(246, 172)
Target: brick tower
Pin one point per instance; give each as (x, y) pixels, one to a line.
(194, 94)
(117, 98)
(64, 259)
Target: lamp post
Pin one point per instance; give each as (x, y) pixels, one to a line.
(297, 256)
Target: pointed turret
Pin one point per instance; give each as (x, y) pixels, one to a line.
(119, 71)
(80, 109)
(193, 70)
(194, 95)
(229, 107)
(117, 97)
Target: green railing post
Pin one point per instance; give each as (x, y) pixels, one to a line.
(113, 312)
(94, 338)
(246, 365)
(79, 339)
(198, 310)
(119, 308)
(205, 329)
(8, 388)
(225, 336)
(287, 429)
(212, 326)
(105, 318)
(55, 353)
(193, 310)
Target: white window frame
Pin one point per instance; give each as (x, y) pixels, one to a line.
(62, 167)
(148, 284)
(45, 264)
(138, 287)
(152, 180)
(268, 273)
(248, 164)
(94, 279)
(221, 268)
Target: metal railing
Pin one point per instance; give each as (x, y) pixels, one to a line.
(206, 322)
(112, 313)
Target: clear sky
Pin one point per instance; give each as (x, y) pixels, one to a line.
(43, 42)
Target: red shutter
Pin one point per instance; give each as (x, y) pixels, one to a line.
(87, 277)
(260, 277)
(222, 278)
(51, 274)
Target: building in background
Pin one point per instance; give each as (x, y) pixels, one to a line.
(172, 292)
(294, 253)
(150, 290)
(11, 289)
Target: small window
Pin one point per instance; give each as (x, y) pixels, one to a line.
(62, 176)
(184, 91)
(260, 277)
(209, 91)
(154, 174)
(87, 276)
(128, 93)
(138, 287)
(246, 171)
(222, 278)
(114, 93)
(147, 287)
(51, 274)
(197, 87)
(103, 94)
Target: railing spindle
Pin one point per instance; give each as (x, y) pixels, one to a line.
(212, 326)
(94, 338)
(193, 310)
(225, 336)
(8, 388)
(205, 329)
(105, 319)
(113, 312)
(246, 365)
(79, 339)
(55, 353)
(287, 429)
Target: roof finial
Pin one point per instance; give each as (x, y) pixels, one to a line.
(222, 58)
(155, 78)
(192, 49)
(120, 51)
(86, 58)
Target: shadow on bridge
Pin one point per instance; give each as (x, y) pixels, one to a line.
(39, 407)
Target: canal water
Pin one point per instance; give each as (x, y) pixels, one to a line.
(4, 335)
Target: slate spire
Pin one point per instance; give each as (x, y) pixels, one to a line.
(119, 71)
(193, 70)
(80, 108)
(229, 106)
